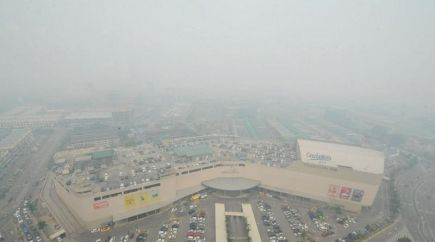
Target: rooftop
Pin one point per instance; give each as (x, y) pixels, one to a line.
(130, 167)
(31, 114)
(340, 155)
(32, 118)
(89, 115)
(231, 183)
(103, 154)
(193, 150)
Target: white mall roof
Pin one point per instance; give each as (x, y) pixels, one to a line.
(336, 155)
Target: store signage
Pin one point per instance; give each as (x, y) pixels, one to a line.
(346, 193)
(333, 190)
(318, 156)
(102, 204)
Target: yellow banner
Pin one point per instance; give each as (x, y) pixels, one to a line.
(140, 199)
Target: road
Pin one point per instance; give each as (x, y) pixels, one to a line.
(33, 168)
(392, 233)
(417, 213)
(57, 208)
(415, 187)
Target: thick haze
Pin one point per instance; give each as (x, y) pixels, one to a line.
(377, 51)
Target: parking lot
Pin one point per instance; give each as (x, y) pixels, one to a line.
(301, 219)
(186, 221)
(279, 219)
(26, 222)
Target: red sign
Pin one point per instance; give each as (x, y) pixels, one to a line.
(333, 190)
(101, 204)
(345, 192)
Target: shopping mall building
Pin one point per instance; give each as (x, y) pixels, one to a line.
(337, 174)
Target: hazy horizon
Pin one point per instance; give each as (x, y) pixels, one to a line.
(334, 51)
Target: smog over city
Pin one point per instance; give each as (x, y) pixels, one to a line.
(217, 121)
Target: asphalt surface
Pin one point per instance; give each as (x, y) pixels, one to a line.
(27, 183)
(153, 223)
(237, 230)
(25, 178)
(57, 208)
(416, 187)
(392, 233)
(150, 225)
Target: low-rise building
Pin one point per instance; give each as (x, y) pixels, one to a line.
(30, 117)
(87, 118)
(345, 183)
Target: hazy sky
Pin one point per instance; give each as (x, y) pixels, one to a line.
(380, 50)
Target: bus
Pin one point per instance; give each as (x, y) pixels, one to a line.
(195, 198)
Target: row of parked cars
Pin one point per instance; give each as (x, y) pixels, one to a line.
(197, 226)
(23, 216)
(102, 229)
(141, 237)
(325, 228)
(294, 218)
(346, 221)
(168, 231)
(272, 226)
(25, 222)
(319, 220)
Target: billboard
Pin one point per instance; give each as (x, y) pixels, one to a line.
(345, 192)
(318, 156)
(333, 190)
(357, 195)
(101, 204)
(140, 199)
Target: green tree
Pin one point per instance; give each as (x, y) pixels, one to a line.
(42, 224)
(338, 210)
(404, 239)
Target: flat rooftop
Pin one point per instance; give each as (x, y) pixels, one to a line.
(231, 183)
(108, 169)
(340, 155)
(32, 118)
(31, 114)
(193, 150)
(89, 115)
